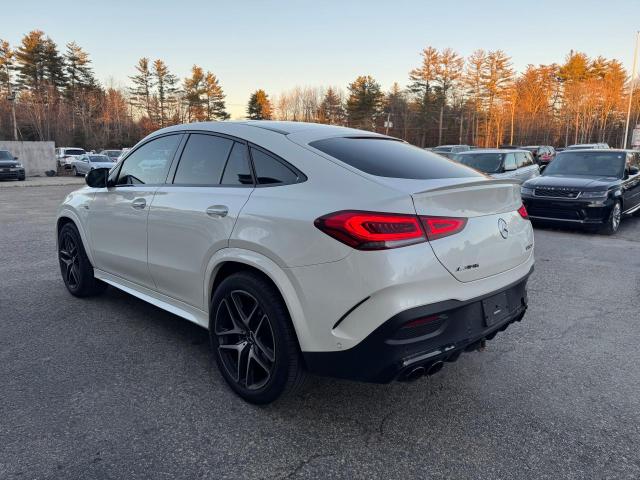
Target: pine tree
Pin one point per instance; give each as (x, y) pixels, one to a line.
(259, 107)
(77, 67)
(331, 110)
(30, 60)
(364, 102)
(166, 84)
(142, 87)
(194, 89)
(53, 65)
(214, 98)
(6, 66)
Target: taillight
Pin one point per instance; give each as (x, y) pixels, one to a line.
(523, 212)
(379, 231)
(372, 230)
(439, 227)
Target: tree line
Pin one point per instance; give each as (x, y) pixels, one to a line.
(46, 94)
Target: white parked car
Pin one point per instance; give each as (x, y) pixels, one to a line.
(304, 247)
(517, 165)
(83, 164)
(66, 155)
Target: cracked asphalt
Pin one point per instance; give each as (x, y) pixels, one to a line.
(111, 387)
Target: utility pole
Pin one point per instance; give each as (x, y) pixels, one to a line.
(633, 75)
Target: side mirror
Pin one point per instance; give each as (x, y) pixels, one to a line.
(633, 170)
(542, 167)
(97, 178)
(15, 158)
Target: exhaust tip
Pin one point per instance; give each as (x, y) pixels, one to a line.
(435, 368)
(415, 374)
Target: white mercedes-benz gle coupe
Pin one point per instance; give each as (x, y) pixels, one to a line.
(304, 248)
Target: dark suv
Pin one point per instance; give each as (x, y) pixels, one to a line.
(586, 187)
(10, 168)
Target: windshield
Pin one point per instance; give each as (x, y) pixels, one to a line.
(581, 147)
(485, 162)
(99, 158)
(391, 158)
(113, 153)
(74, 151)
(4, 155)
(599, 164)
(443, 149)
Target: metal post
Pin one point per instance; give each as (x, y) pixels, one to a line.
(633, 75)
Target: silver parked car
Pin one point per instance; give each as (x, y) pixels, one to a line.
(83, 164)
(501, 163)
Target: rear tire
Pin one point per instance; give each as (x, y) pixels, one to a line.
(253, 340)
(75, 267)
(75, 171)
(613, 221)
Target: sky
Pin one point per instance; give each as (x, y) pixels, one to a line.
(276, 46)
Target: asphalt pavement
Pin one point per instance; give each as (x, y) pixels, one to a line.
(112, 388)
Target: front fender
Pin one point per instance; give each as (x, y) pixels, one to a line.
(276, 273)
(73, 209)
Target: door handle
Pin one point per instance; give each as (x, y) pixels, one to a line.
(218, 211)
(139, 203)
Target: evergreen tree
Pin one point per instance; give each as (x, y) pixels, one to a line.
(259, 107)
(142, 87)
(364, 102)
(214, 98)
(30, 59)
(77, 67)
(53, 65)
(194, 89)
(6, 66)
(331, 110)
(166, 84)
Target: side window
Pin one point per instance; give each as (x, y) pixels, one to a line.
(237, 171)
(150, 163)
(202, 160)
(510, 162)
(521, 160)
(528, 159)
(270, 170)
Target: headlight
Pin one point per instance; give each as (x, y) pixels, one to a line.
(18, 165)
(526, 191)
(594, 194)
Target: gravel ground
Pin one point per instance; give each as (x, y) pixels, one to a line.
(111, 387)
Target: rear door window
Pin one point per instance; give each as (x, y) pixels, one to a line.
(391, 158)
(202, 160)
(238, 171)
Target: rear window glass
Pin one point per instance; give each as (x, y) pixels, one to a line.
(391, 158)
(74, 151)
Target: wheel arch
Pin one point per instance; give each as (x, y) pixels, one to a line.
(68, 216)
(231, 260)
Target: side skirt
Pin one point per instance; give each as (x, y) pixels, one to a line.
(164, 302)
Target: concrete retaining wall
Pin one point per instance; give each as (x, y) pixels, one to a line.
(37, 157)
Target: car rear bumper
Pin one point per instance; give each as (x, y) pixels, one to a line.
(569, 211)
(440, 333)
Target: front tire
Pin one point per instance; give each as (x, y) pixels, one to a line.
(253, 340)
(75, 267)
(613, 221)
(75, 171)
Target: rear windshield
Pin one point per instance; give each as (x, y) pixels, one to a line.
(485, 162)
(391, 158)
(99, 159)
(600, 164)
(74, 151)
(443, 149)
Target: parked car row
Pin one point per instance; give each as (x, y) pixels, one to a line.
(67, 155)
